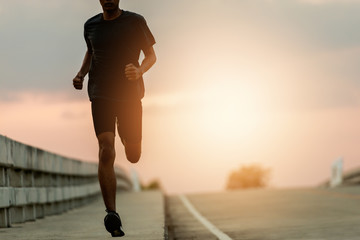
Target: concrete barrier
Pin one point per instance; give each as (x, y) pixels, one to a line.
(349, 178)
(35, 183)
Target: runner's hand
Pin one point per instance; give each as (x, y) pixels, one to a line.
(78, 82)
(132, 73)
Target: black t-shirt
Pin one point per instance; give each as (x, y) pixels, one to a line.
(114, 44)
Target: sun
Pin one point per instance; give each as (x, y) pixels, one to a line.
(229, 111)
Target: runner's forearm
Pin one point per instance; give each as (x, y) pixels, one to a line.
(85, 67)
(149, 61)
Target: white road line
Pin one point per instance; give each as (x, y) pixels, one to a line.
(214, 230)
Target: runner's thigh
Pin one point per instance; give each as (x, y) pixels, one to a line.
(129, 121)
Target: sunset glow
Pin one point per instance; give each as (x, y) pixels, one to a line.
(274, 83)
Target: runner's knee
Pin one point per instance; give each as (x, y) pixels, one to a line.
(133, 152)
(106, 148)
(106, 154)
(133, 157)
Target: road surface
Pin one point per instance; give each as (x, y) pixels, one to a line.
(268, 215)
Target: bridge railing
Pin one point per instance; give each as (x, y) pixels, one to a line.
(348, 178)
(35, 183)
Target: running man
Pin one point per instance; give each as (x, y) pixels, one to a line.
(114, 41)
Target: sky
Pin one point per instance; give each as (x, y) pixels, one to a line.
(271, 82)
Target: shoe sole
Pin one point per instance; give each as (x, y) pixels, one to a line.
(117, 233)
(113, 226)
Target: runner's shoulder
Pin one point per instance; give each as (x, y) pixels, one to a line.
(93, 20)
(133, 16)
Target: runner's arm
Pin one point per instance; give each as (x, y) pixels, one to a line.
(85, 68)
(133, 73)
(149, 60)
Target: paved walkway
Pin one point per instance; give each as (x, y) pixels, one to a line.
(142, 215)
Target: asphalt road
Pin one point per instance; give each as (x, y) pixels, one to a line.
(290, 214)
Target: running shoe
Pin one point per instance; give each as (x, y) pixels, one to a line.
(113, 225)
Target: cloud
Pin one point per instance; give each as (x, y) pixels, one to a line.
(42, 95)
(247, 41)
(42, 45)
(75, 115)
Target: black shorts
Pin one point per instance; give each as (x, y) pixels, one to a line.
(127, 115)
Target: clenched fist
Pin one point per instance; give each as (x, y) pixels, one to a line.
(132, 73)
(78, 82)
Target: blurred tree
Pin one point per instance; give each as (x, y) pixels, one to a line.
(250, 176)
(154, 184)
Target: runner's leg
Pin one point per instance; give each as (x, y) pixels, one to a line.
(104, 124)
(129, 125)
(132, 151)
(106, 173)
